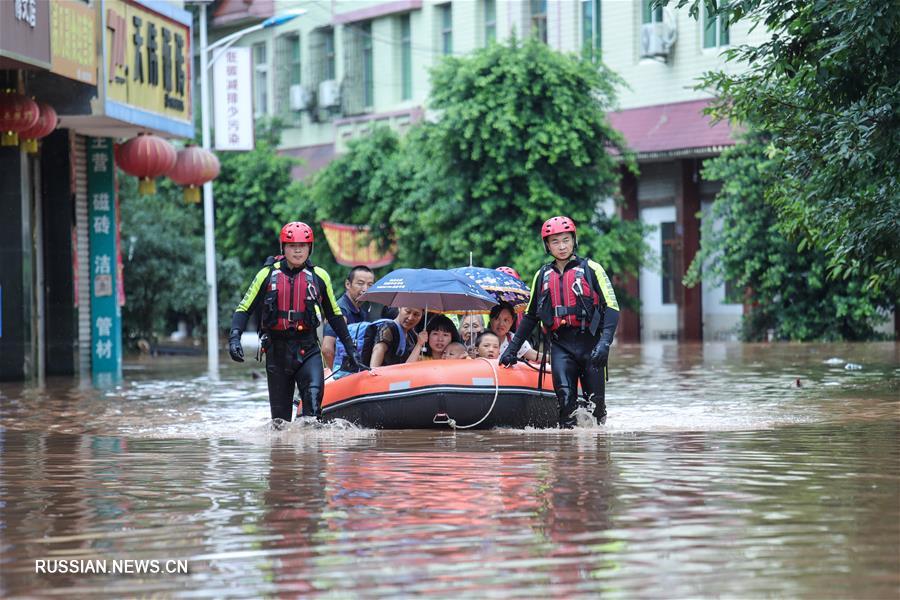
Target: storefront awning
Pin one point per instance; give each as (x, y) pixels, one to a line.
(670, 130)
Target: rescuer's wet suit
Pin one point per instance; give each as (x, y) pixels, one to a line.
(289, 319)
(579, 311)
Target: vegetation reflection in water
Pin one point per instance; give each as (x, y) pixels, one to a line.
(745, 486)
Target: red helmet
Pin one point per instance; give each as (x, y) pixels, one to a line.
(509, 271)
(555, 225)
(297, 233)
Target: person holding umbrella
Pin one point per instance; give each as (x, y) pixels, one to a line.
(574, 300)
(292, 292)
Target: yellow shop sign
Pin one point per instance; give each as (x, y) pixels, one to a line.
(148, 57)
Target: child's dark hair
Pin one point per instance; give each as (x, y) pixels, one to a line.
(483, 334)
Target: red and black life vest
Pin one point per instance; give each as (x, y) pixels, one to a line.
(568, 299)
(290, 301)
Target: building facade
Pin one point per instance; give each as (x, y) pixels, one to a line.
(347, 66)
(110, 69)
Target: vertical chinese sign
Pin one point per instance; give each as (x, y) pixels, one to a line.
(233, 100)
(106, 313)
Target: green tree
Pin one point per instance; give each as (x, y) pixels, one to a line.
(256, 194)
(789, 289)
(522, 136)
(826, 86)
(164, 263)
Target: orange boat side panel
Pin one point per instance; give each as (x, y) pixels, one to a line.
(427, 373)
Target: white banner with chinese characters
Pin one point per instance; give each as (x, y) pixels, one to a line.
(233, 100)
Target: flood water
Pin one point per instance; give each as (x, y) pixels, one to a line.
(716, 475)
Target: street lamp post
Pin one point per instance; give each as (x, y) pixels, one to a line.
(212, 314)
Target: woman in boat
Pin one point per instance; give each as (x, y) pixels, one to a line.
(469, 328)
(441, 333)
(501, 322)
(291, 292)
(395, 342)
(574, 300)
(487, 345)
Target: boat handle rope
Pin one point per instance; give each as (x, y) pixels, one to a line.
(452, 422)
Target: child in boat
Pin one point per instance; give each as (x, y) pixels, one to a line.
(441, 333)
(455, 350)
(487, 345)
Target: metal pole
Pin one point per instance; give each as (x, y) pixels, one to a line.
(212, 314)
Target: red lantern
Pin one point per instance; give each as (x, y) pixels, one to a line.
(147, 157)
(194, 167)
(45, 125)
(17, 113)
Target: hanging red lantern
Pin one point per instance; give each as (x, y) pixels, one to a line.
(147, 157)
(17, 113)
(194, 167)
(46, 123)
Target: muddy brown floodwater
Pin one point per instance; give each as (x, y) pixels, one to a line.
(716, 475)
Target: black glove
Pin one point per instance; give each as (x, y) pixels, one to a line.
(509, 358)
(234, 346)
(352, 362)
(600, 354)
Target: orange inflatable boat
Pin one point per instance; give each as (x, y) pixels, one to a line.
(442, 394)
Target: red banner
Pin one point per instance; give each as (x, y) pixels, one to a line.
(352, 246)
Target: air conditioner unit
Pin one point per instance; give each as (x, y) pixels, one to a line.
(301, 97)
(329, 94)
(657, 39)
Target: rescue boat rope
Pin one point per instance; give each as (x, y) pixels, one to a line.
(452, 422)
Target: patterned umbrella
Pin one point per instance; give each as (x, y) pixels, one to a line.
(432, 289)
(503, 287)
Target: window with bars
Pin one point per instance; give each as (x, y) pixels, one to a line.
(260, 79)
(321, 55)
(294, 58)
(446, 11)
(715, 29)
(405, 57)
(368, 64)
(539, 19)
(590, 29)
(490, 21)
(287, 73)
(328, 53)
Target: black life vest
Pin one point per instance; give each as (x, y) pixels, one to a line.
(568, 298)
(290, 302)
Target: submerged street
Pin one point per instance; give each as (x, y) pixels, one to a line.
(716, 474)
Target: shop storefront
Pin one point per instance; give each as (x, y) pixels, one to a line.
(110, 69)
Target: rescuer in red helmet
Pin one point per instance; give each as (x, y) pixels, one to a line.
(574, 300)
(289, 290)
